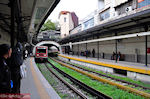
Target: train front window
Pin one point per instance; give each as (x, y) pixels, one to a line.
(41, 50)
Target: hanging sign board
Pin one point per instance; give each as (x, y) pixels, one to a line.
(148, 50)
(140, 1)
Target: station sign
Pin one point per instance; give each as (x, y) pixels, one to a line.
(148, 50)
(140, 1)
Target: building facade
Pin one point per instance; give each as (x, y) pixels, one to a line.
(108, 10)
(68, 21)
(116, 18)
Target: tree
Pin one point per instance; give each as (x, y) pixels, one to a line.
(48, 26)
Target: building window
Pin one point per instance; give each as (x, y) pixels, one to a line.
(89, 23)
(64, 19)
(143, 3)
(104, 15)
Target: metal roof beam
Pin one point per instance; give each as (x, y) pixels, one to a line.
(111, 38)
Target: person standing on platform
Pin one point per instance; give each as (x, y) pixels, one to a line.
(5, 74)
(93, 52)
(16, 62)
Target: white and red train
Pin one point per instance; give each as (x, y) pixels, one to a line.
(41, 53)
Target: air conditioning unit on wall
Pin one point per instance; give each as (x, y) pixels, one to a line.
(127, 9)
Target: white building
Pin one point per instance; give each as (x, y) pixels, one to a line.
(105, 10)
(68, 21)
(108, 10)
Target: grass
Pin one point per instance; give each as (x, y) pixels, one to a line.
(118, 77)
(68, 80)
(104, 88)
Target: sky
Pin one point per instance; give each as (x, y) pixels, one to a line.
(82, 8)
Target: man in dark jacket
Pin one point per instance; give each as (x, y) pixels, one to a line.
(93, 52)
(5, 74)
(16, 62)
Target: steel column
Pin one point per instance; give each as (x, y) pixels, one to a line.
(86, 50)
(116, 47)
(12, 22)
(72, 50)
(146, 50)
(18, 30)
(146, 29)
(98, 50)
(78, 50)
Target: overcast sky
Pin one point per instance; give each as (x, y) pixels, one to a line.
(81, 7)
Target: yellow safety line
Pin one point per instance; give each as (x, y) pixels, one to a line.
(141, 93)
(41, 90)
(143, 71)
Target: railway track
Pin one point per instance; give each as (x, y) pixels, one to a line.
(133, 90)
(85, 87)
(115, 79)
(62, 89)
(67, 84)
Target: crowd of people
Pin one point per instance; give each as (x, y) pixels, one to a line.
(88, 53)
(117, 56)
(10, 61)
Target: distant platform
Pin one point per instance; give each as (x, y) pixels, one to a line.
(133, 70)
(35, 84)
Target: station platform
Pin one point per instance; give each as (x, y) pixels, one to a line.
(35, 84)
(134, 70)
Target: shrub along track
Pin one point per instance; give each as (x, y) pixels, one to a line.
(116, 79)
(146, 95)
(85, 87)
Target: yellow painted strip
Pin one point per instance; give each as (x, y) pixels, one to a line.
(41, 90)
(141, 93)
(143, 71)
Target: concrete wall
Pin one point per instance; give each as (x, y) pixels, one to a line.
(101, 4)
(133, 49)
(121, 9)
(4, 37)
(107, 3)
(118, 2)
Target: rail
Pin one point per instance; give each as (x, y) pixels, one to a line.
(66, 83)
(82, 85)
(132, 90)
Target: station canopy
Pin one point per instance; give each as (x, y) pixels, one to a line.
(30, 14)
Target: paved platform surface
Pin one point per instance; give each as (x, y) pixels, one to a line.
(121, 63)
(36, 84)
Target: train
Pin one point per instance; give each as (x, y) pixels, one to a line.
(53, 52)
(41, 54)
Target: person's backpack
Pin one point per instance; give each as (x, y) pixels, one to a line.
(16, 58)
